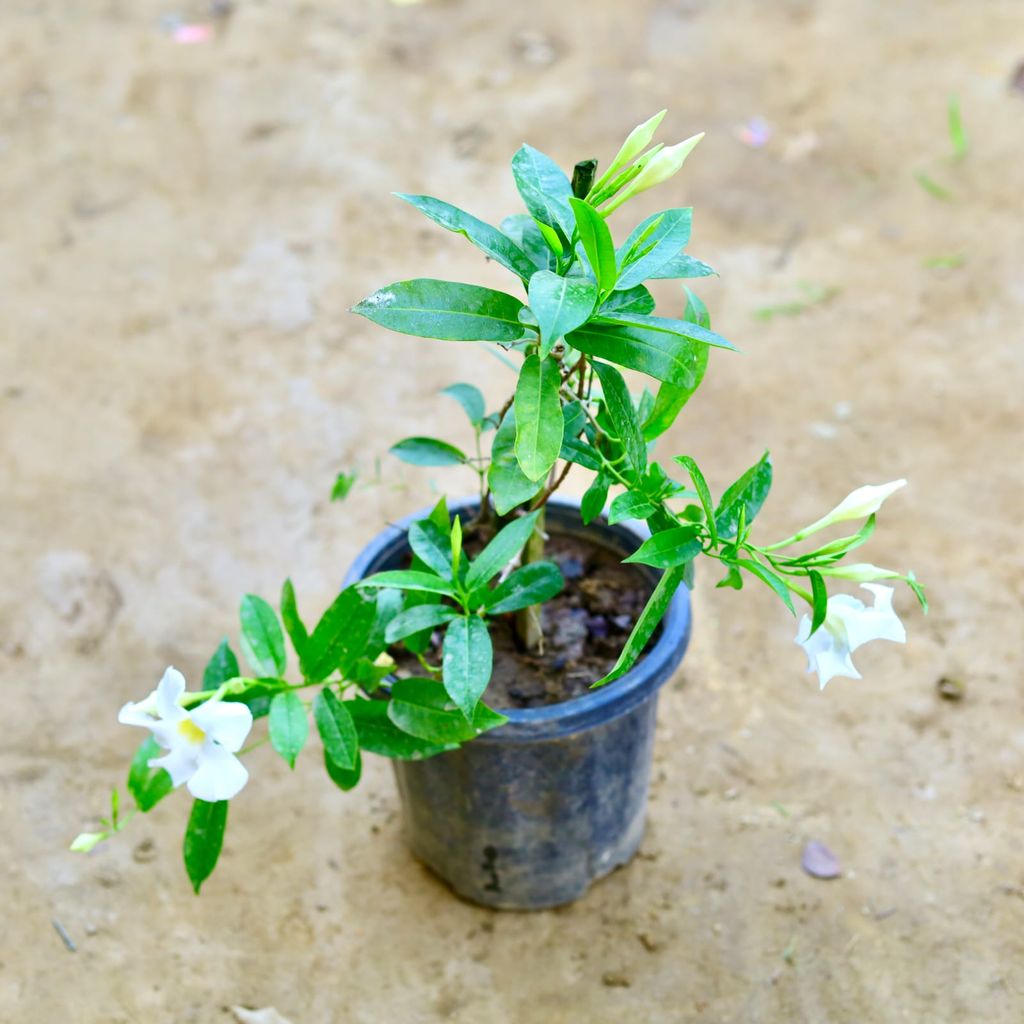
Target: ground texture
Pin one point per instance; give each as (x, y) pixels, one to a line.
(182, 229)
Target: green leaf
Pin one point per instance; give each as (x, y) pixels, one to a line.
(696, 312)
(523, 230)
(262, 639)
(671, 233)
(703, 493)
(341, 634)
(682, 266)
(204, 837)
(819, 593)
(633, 300)
(539, 420)
(427, 451)
(466, 661)
(620, 408)
(560, 304)
(344, 778)
(471, 400)
(486, 238)
(221, 667)
(747, 494)
(666, 325)
(503, 547)
(379, 735)
(343, 483)
(432, 546)
(288, 725)
(597, 244)
(409, 579)
(771, 578)
(669, 548)
(544, 188)
(510, 486)
(422, 708)
(388, 603)
(583, 454)
(419, 617)
(293, 623)
(148, 786)
(446, 310)
(594, 498)
(653, 613)
(336, 728)
(665, 357)
(630, 505)
(533, 583)
(671, 399)
(733, 578)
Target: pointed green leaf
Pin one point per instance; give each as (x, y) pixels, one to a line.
(819, 594)
(148, 786)
(665, 357)
(594, 498)
(444, 309)
(336, 728)
(417, 618)
(422, 708)
(668, 548)
(539, 420)
(653, 613)
(682, 266)
(471, 400)
(703, 493)
(204, 837)
(288, 725)
(432, 546)
(509, 485)
(671, 233)
(340, 636)
(561, 304)
(771, 578)
(630, 505)
(427, 451)
(466, 661)
(745, 496)
(623, 414)
(409, 579)
(344, 778)
(221, 667)
(531, 584)
(633, 300)
(678, 328)
(544, 188)
(486, 238)
(503, 547)
(379, 735)
(262, 639)
(597, 244)
(523, 230)
(293, 623)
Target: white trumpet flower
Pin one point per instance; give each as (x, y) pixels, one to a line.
(201, 742)
(848, 624)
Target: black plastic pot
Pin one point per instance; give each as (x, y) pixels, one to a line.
(531, 814)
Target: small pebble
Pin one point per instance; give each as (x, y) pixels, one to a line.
(949, 688)
(616, 979)
(819, 861)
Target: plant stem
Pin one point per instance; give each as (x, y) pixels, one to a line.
(528, 621)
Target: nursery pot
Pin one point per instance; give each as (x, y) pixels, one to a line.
(530, 814)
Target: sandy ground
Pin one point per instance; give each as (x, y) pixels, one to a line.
(182, 229)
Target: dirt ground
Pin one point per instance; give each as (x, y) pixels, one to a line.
(182, 229)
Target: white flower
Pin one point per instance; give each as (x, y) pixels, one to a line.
(848, 624)
(636, 142)
(858, 504)
(659, 168)
(202, 742)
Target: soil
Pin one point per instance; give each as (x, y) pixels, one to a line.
(584, 629)
(182, 230)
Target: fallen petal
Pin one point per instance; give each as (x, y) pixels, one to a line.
(819, 861)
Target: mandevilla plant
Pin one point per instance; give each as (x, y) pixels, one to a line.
(586, 316)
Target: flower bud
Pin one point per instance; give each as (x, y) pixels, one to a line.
(858, 504)
(658, 169)
(636, 142)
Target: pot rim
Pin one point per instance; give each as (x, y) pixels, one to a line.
(640, 683)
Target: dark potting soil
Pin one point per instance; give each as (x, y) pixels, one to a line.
(585, 628)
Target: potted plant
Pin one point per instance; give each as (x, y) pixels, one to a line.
(506, 652)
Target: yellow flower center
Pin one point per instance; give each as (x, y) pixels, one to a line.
(191, 731)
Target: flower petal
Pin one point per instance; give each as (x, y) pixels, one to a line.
(227, 722)
(220, 774)
(168, 693)
(181, 763)
(139, 712)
